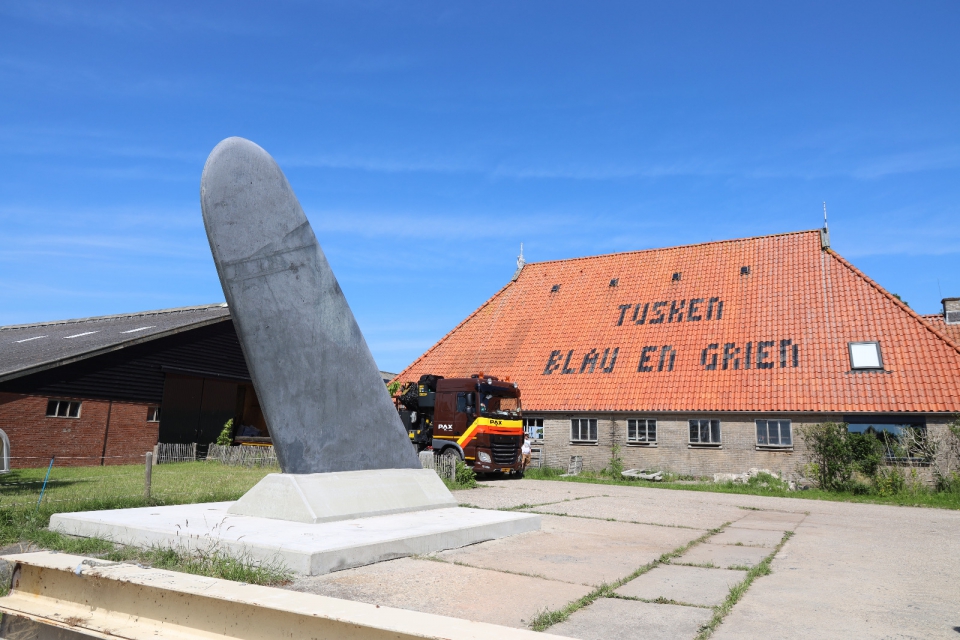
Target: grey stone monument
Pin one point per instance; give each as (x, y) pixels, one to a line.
(320, 390)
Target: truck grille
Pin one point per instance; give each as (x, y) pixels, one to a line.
(504, 449)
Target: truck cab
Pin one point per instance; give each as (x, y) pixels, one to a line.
(479, 418)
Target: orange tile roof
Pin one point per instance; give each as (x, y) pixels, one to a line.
(652, 343)
(952, 331)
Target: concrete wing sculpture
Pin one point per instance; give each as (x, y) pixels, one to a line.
(321, 393)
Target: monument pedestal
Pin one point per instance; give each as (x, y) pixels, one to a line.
(329, 497)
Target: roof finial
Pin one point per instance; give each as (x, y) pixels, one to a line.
(520, 263)
(825, 232)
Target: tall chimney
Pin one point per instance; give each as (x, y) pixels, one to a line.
(951, 310)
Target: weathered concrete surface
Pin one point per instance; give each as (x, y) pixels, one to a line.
(448, 589)
(748, 537)
(577, 550)
(849, 571)
(610, 619)
(328, 497)
(724, 556)
(644, 509)
(689, 585)
(858, 571)
(321, 392)
(770, 520)
(302, 547)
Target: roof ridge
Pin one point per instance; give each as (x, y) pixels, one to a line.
(679, 246)
(29, 325)
(900, 303)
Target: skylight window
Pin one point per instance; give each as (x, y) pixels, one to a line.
(865, 355)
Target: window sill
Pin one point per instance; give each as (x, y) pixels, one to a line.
(703, 445)
(582, 443)
(643, 445)
(769, 447)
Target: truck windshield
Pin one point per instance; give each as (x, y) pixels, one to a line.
(498, 402)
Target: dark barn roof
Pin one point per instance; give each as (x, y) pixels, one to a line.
(30, 348)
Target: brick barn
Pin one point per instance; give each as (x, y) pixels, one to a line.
(105, 390)
(706, 358)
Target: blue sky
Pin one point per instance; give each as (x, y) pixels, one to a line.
(427, 140)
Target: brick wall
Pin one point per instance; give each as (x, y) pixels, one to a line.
(75, 441)
(673, 452)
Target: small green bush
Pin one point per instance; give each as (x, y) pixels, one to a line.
(226, 436)
(890, 481)
(464, 478)
(616, 462)
(832, 458)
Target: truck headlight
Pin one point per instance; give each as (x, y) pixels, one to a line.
(484, 457)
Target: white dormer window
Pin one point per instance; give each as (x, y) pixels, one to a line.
(865, 355)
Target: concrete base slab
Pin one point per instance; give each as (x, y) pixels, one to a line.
(689, 585)
(302, 547)
(612, 619)
(748, 537)
(447, 589)
(724, 555)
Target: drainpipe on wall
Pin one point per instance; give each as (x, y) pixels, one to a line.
(106, 431)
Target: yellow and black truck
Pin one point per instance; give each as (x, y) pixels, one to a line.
(479, 418)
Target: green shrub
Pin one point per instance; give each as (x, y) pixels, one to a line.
(616, 462)
(464, 478)
(832, 461)
(890, 481)
(867, 451)
(226, 436)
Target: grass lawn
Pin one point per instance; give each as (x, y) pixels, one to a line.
(116, 487)
(909, 498)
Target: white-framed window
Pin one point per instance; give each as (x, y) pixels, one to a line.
(705, 432)
(153, 414)
(774, 433)
(533, 427)
(641, 431)
(865, 355)
(583, 429)
(63, 409)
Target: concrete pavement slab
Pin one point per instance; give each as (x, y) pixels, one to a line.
(690, 585)
(613, 619)
(858, 571)
(748, 537)
(577, 550)
(509, 494)
(446, 589)
(724, 556)
(770, 520)
(641, 507)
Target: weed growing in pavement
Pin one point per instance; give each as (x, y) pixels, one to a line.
(736, 592)
(547, 618)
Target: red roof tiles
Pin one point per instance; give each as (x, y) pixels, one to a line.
(951, 331)
(711, 338)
